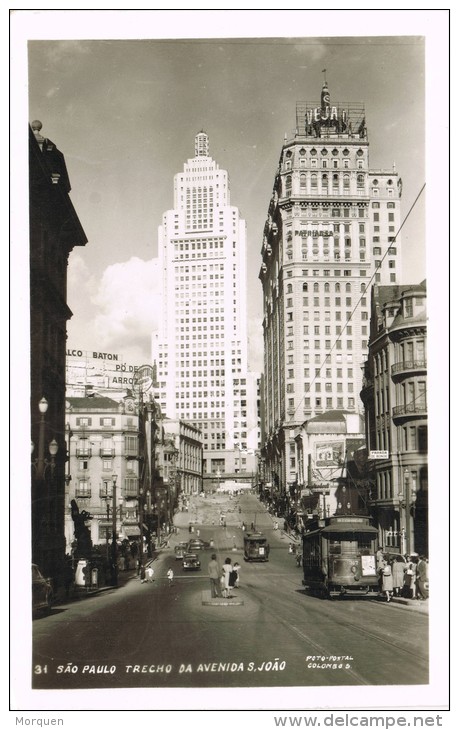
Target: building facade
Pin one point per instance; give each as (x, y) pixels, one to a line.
(333, 474)
(201, 347)
(395, 397)
(54, 230)
(128, 467)
(103, 467)
(330, 231)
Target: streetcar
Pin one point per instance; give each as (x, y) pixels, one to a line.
(256, 546)
(339, 556)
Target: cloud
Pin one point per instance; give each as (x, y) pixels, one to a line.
(116, 313)
(128, 304)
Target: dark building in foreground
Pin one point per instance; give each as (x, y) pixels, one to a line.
(54, 231)
(395, 399)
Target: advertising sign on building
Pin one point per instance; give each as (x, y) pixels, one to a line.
(329, 453)
(92, 369)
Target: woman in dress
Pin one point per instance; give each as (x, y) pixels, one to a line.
(227, 570)
(387, 579)
(398, 575)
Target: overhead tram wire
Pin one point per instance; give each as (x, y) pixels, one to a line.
(391, 243)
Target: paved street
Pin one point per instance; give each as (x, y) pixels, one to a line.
(271, 634)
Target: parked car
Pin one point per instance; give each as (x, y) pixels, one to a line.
(191, 562)
(42, 592)
(197, 544)
(180, 550)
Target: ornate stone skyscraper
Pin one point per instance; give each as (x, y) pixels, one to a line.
(329, 235)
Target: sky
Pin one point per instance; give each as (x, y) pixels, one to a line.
(125, 112)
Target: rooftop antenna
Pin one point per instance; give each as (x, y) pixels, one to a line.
(324, 71)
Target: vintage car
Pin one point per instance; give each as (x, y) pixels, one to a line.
(180, 550)
(191, 562)
(42, 592)
(197, 544)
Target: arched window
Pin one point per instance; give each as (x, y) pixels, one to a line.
(346, 182)
(302, 181)
(313, 180)
(360, 181)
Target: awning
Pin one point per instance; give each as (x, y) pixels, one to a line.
(131, 531)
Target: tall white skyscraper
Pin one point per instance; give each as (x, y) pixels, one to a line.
(201, 346)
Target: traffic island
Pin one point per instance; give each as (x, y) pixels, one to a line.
(207, 600)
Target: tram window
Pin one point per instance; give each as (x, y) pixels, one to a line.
(364, 544)
(334, 547)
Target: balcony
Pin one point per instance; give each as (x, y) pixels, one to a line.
(84, 453)
(409, 366)
(410, 409)
(82, 493)
(106, 453)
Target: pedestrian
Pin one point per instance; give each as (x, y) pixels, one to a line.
(227, 570)
(398, 575)
(213, 570)
(410, 577)
(387, 580)
(142, 573)
(149, 573)
(170, 576)
(379, 565)
(422, 578)
(236, 569)
(198, 532)
(122, 563)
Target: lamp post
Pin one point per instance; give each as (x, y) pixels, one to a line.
(42, 516)
(114, 548)
(407, 502)
(42, 407)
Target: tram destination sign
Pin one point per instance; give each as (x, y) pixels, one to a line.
(378, 455)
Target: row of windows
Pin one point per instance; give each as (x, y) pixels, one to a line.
(338, 345)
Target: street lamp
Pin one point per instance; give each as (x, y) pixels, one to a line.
(407, 502)
(68, 432)
(40, 463)
(114, 549)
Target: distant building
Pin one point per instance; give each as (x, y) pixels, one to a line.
(54, 230)
(103, 442)
(395, 398)
(332, 222)
(201, 348)
(128, 446)
(333, 476)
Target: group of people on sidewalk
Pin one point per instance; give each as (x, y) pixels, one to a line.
(406, 576)
(224, 579)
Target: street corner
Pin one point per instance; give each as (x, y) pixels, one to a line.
(207, 600)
